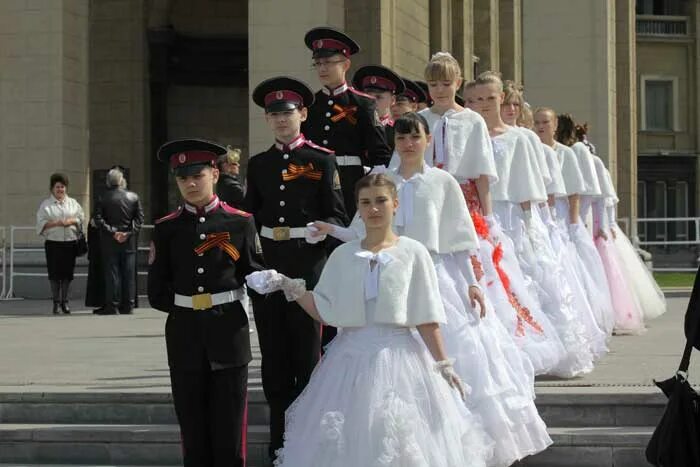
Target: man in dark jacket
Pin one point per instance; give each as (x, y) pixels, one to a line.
(119, 217)
(229, 188)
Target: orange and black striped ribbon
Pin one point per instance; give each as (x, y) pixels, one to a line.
(344, 112)
(307, 171)
(222, 240)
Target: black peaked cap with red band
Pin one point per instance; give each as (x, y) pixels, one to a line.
(424, 86)
(188, 156)
(282, 93)
(377, 78)
(325, 42)
(414, 92)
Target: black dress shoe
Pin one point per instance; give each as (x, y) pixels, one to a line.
(126, 311)
(97, 311)
(65, 308)
(106, 311)
(55, 308)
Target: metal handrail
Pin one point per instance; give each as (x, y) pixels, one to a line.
(3, 255)
(13, 249)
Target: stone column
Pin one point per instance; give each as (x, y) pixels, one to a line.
(486, 37)
(276, 31)
(569, 64)
(463, 36)
(43, 104)
(440, 25)
(624, 172)
(510, 39)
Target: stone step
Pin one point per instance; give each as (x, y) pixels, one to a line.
(159, 445)
(82, 444)
(563, 409)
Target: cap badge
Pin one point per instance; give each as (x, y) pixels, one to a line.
(182, 158)
(279, 95)
(373, 80)
(319, 43)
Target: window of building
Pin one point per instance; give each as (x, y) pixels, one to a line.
(659, 210)
(660, 7)
(659, 104)
(681, 209)
(642, 209)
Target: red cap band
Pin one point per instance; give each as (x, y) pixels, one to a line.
(333, 45)
(190, 158)
(411, 95)
(285, 96)
(378, 82)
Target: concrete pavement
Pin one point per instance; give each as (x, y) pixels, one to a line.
(80, 352)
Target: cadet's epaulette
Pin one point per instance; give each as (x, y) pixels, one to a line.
(360, 93)
(173, 215)
(311, 144)
(232, 210)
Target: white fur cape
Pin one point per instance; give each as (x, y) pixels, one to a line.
(407, 294)
(585, 162)
(570, 170)
(556, 186)
(518, 177)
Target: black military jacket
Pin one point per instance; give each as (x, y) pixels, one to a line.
(290, 187)
(346, 121)
(230, 190)
(219, 335)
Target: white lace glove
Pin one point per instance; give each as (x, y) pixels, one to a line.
(308, 234)
(447, 371)
(268, 281)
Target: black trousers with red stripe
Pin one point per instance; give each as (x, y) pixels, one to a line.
(290, 344)
(211, 410)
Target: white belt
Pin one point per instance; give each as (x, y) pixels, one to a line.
(279, 234)
(348, 160)
(205, 301)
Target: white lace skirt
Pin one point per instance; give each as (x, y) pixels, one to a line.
(375, 401)
(594, 278)
(648, 292)
(501, 375)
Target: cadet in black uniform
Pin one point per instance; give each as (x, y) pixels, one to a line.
(343, 118)
(290, 185)
(200, 255)
(409, 100)
(384, 85)
(429, 101)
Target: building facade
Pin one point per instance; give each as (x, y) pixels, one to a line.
(88, 84)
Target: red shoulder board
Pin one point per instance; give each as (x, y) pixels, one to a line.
(311, 144)
(173, 215)
(232, 210)
(360, 93)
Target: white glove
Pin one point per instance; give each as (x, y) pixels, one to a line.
(308, 231)
(268, 281)
(447, 371)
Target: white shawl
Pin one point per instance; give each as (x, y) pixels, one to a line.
(607, 188)
(406, 287)
(518, 177)
(585, 162)
(556, 186)
(536, 146)
(432, 211)
(570, 169)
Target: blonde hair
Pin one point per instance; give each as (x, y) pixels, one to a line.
(487, 77)
(526, 118)
(442, 67)
(545, 109)
(513, 92)
(232, 156)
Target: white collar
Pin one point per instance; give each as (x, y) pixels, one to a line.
(339, 90)
(213, 204)
(292, 145)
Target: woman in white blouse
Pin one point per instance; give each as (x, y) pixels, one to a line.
(58, 220)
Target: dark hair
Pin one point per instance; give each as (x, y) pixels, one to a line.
(410, 122)
(374, 180)
(58, 178)
(566, 130)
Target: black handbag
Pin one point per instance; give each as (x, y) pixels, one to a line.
(676, 440)
(81, 246)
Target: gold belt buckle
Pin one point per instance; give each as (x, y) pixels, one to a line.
(281, 233)
(202, 301)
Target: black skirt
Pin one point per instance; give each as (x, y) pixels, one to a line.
(60, 259)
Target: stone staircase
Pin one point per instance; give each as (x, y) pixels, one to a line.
(590, 428)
